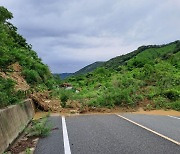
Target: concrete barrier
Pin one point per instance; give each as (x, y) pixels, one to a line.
(13, 120)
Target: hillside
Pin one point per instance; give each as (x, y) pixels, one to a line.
(89, 68)
(147, 53)
(116, 62)
(84, 70)
(63, 75)
(22, 73)
(148, 77)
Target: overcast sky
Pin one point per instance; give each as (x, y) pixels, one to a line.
(69, 34)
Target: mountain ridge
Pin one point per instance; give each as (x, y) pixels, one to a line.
(114, 62)
(148, 77)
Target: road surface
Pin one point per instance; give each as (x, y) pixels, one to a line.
(112, 134)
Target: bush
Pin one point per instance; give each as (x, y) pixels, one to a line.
(102, 101)
(175, 105)
(100, 70)
(31, 76)
(137, 98)
(64, 97)
(159, 102)
(39, 128)
(172, 94)
(148, 70)
(50, 83)
(8, 95)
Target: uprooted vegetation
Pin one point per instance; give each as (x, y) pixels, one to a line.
(22, 73)
(148, 77)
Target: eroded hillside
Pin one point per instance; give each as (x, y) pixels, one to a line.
(22, 73)
(148, 77)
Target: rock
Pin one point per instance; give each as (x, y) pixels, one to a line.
(69, 88)
(77, 91)
(74, 111)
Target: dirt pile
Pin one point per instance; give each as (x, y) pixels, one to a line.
(16, 75)
(43, 101)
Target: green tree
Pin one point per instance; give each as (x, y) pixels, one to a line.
(4, 14)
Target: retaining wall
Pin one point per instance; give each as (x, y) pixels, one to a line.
(13, 120)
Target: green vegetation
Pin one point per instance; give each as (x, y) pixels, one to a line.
(39, 128)
(63, 75)
(149, 76)
(27, 151)
(89, 68)
(7, 93)
(84, 70)
(64, 97)
(14, 48)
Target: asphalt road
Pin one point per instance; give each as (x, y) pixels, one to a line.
(111, 134)
(53, 144)
(166, 125)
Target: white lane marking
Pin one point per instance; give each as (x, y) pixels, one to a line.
(165, 137)
(173, 117)
(67, 149)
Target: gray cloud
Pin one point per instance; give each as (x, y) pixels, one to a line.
(68, 35)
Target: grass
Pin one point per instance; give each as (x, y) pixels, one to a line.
(151, 75)
(119, 81)
(39, 128)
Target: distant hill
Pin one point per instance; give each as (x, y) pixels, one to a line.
(89, 68)
(63, 75)
(118, 61)
(121, 60)
(148, 77)
(114, 63)
(84, 70)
